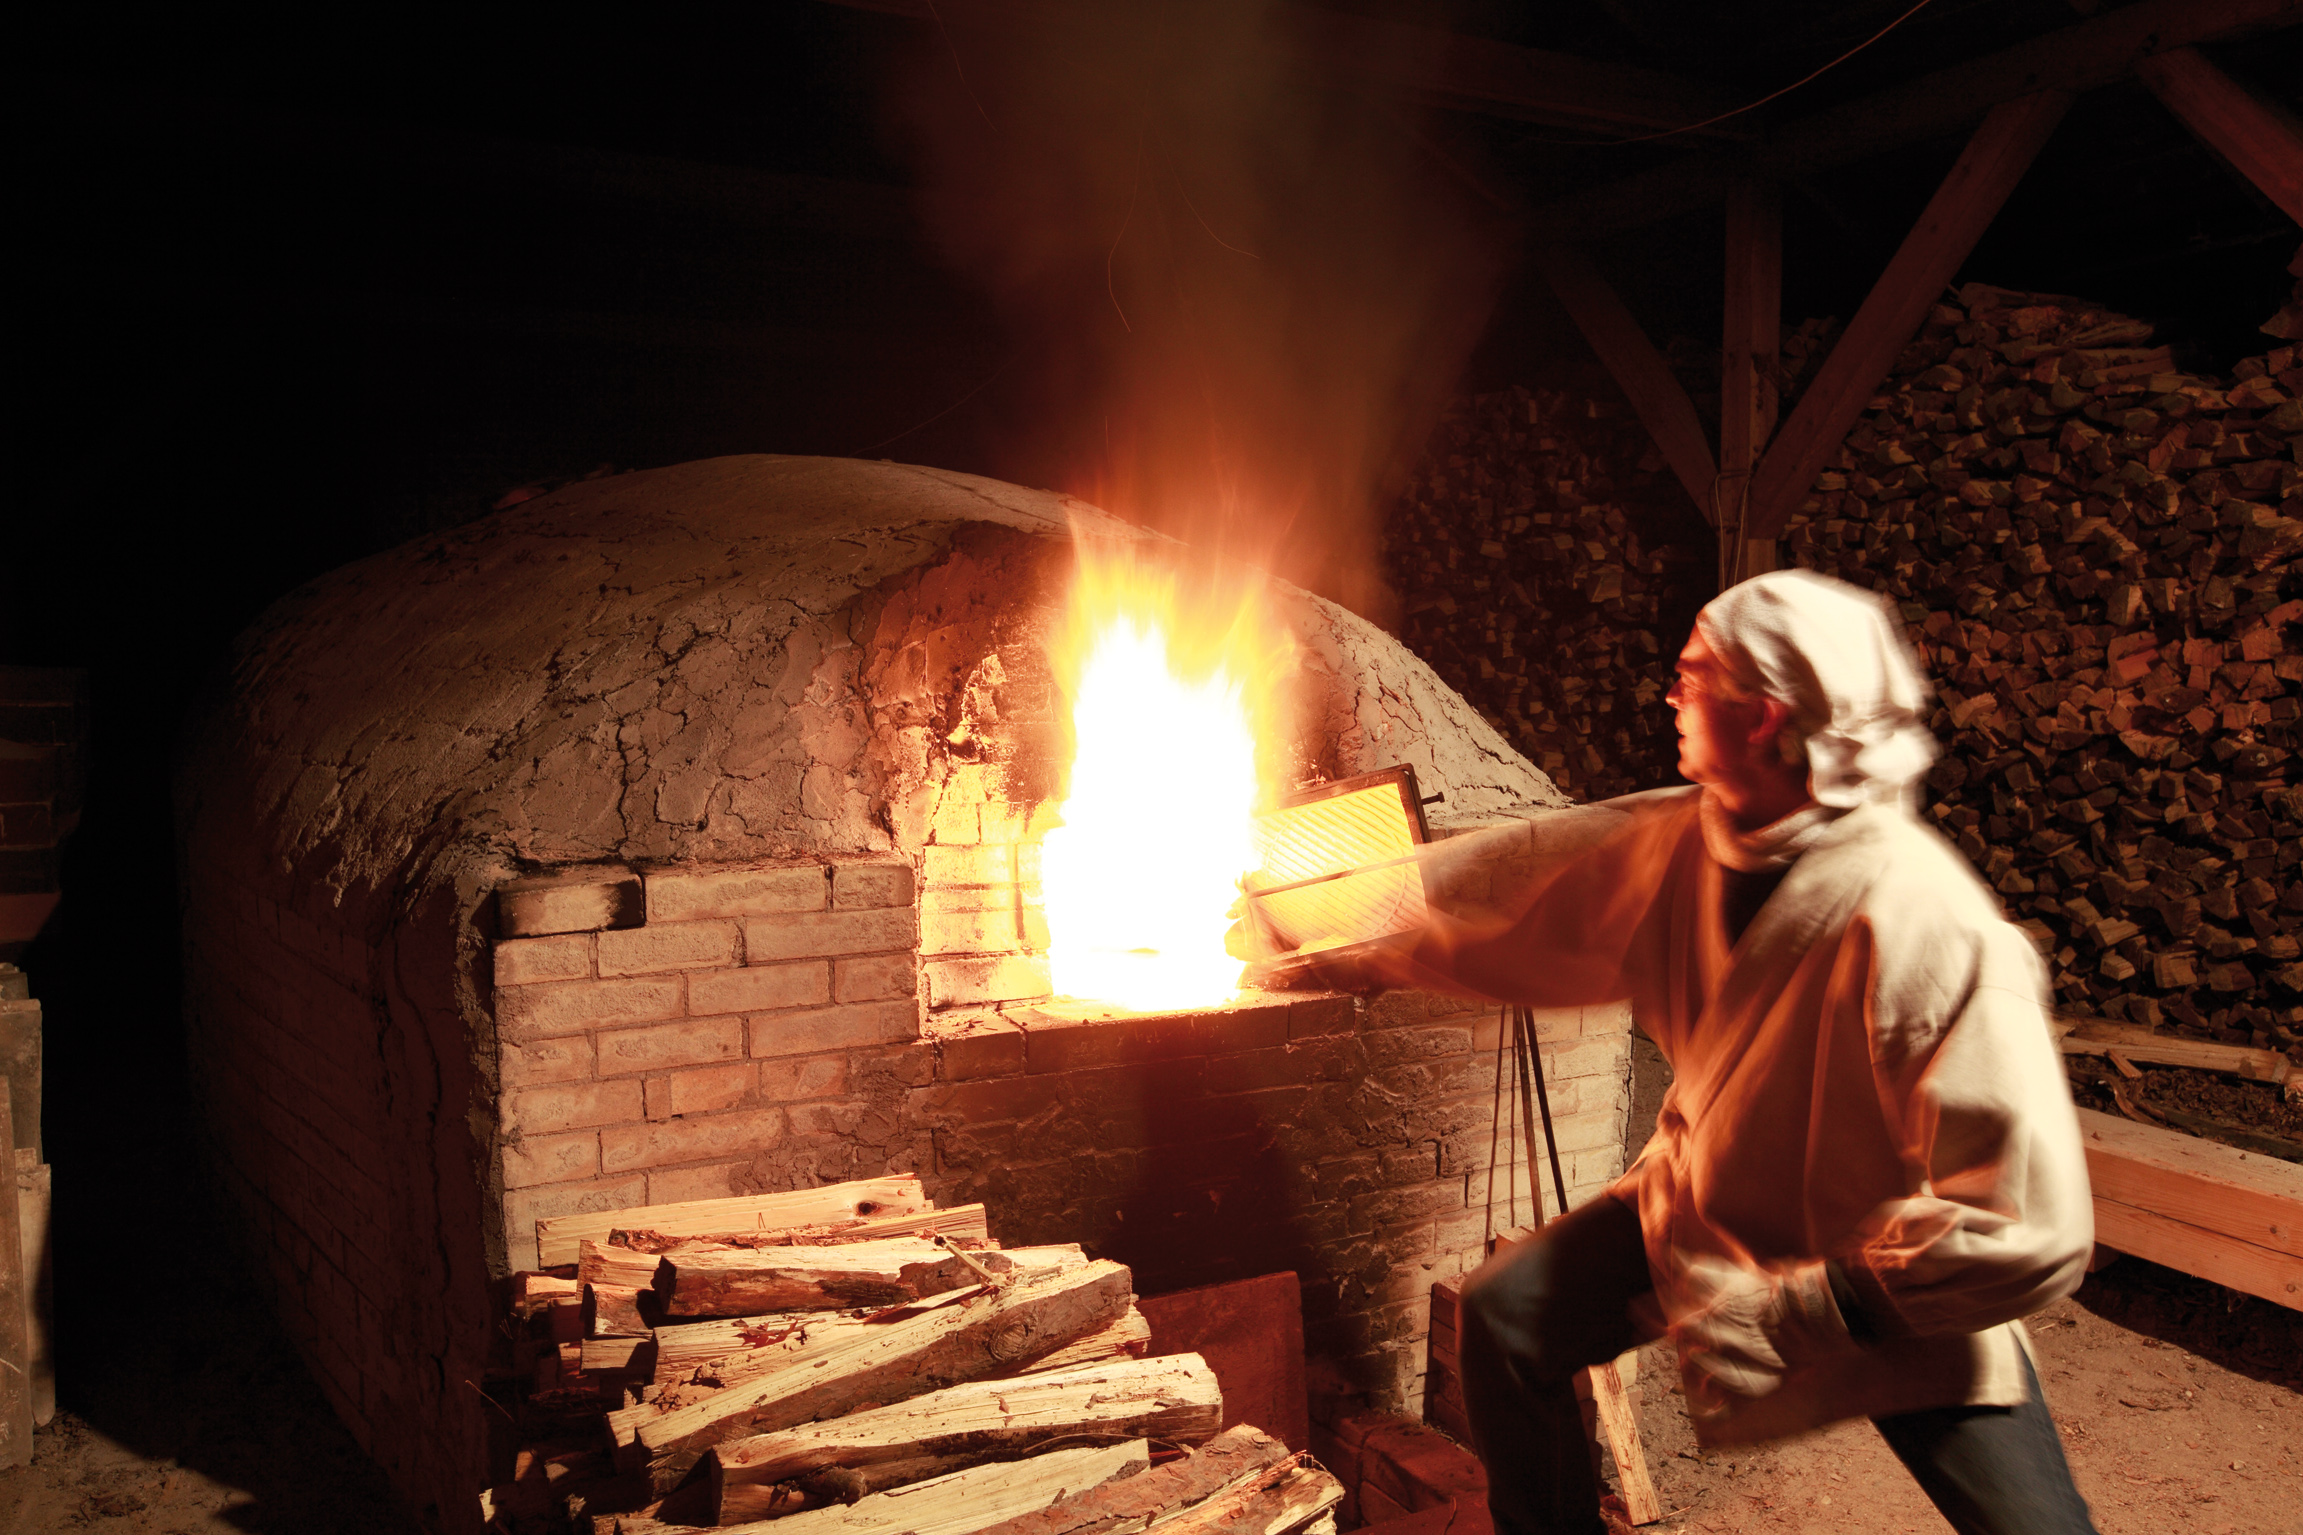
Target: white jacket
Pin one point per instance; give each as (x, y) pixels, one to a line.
(1867, 1076)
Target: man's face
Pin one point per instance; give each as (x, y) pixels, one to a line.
(1715, 727)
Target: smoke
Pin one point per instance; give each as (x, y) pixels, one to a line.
(1239, 294)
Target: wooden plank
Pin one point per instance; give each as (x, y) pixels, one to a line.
(15, 1312)
(2205, 1254)
(558, 1237)
(1250, 1331)
(2097, 1037)
(2241, 1195)
(1637, 367)
(1172, 1399)
(2082, 57)
(1955, 217)
(1621, 1425)
(2257, 138)
(1750, 341)
(967, 1501)
(983, 1333)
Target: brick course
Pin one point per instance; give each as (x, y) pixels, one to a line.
(809, 935)
(662, 946)
(677, 896)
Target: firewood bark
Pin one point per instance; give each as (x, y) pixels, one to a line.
(980, 1333)
(966, 1501)
(1237, 1457)
(559, 1238)
(1173, 1399)
(748, 1281)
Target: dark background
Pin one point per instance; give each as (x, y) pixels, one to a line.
(290, 294)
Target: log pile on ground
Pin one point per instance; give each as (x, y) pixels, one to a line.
(2096, 553)
(895, 1372)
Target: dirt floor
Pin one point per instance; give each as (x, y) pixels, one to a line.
(2181, 1405)
(2179, 1401)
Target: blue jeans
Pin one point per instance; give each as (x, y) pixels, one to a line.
(1535, 1314)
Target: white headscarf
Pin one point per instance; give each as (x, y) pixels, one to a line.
(1835, 656)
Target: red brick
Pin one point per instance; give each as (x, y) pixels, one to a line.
(1309, 1017)
(818, 934)
(874, 978)
(542, 1110)
(993, 978)
(525, 961)
(703, 1090)
(810, 1030)
(998, 863)
(535, 1159)
(696, 1139)
(858, 886)
(790, 1078)
(672, 1185)
(690, 1042)
(756, 988)
(664, 946)
(566, 1059)
(982, 1046)
(687, 895)
(571, 1007)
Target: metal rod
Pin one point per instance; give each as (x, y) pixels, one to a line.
(1521, 1047)
(1494, 1128)
(1543, 1100)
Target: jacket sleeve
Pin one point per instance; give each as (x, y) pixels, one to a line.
(2001, 1218)
(1575, 933)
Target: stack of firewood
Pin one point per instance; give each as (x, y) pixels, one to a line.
(1527, 587)
(2095, 551)
(740, 1363)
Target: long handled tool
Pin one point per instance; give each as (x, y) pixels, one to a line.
(1516, 1031)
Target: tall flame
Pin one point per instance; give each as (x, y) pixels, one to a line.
(1141, 874)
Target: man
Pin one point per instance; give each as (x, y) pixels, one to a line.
(1867, 1167)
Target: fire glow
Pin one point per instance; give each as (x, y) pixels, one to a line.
(1141, 875)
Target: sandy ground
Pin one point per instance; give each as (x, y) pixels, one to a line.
(2181, 1406)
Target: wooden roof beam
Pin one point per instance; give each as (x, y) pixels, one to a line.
(1749, 348)
(1954, 219)
(1428, 64)
(2257, 138)
(2078, 58)
(1663, 407)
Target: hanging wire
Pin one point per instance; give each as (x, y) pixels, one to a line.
(1749, 106)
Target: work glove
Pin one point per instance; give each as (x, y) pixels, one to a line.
(1742, 1329)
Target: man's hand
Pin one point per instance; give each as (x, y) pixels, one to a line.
(1748, 1328)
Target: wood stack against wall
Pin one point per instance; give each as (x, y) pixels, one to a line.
(859, 1361)
(2094, 551)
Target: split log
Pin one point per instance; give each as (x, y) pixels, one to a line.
(971, 1335)
(628, 1357)
(615, 1311)
(1237, 1457)
(1174, 1399)
(1128, 1338)
(559, 1238)
(599, 1263)
(534, 1293)
(748, 1281)
(962, 1226)
(2095, 1036)
(1292, 1499)
(971, 1500)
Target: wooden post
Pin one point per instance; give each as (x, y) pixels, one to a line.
(15, 1312)
(1955, 217)
(2260, 139)
(1637, 367)
(1747, 356)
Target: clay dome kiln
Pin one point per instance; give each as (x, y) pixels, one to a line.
(672, 837)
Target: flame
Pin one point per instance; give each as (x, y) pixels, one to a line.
(1141, 875)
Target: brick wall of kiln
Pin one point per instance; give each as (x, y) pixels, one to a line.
(322, 1094)
(763, 1029)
